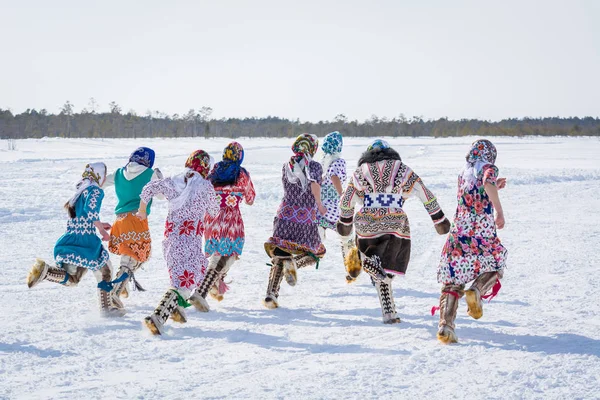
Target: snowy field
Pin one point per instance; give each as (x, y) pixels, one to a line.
(540, 338)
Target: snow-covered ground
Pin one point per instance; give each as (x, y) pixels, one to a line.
(538, 339)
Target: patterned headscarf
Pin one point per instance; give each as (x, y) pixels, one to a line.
(187, 184)
(228, 170)
(199, 161)
(482, 150)
(332, 147)
(482, 153)
(332, 143)
(378, 144)
(143, 156)
(305, 146)
(93, 175)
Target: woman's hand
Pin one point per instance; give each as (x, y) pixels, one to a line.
(500, 220)
(105, 235)
(106, 226)
(501, 183)
(142, 215)
(322, 209)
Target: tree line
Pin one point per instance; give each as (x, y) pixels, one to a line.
(114, 123)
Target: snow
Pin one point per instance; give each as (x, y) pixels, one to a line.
(538, 339)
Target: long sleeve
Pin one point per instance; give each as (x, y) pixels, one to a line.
(414, 186)
(156, 176)
(213, 205)
(249, 192)
(110, 180)
(93, 203)
(157, 187)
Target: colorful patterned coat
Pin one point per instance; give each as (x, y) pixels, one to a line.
(225, 231)
(472, 247)
(80, 245)
(184, 228)
(381, 188)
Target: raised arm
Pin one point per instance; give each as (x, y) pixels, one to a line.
(414, 186)
(152, 189)
(350, 198)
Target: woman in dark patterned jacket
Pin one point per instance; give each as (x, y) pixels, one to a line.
(382, 183)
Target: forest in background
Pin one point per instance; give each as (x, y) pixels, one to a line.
(90, 122)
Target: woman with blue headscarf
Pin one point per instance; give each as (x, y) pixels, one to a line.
(130, 236)
(224, 232)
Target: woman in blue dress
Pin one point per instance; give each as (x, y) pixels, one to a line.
(80, 249)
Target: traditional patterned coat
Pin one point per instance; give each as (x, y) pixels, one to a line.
(381, 189)
(184, 228)
(225, 232)
(80, 245)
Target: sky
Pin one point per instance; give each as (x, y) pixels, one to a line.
(310, 60)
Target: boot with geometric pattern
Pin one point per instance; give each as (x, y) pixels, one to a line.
(41, 271)
(449, 298)
(372, 266)
(480, 287)
(386, 298)
(198, 298)
(275, 278)
(108, 308)
(156, 321)
(218, 289)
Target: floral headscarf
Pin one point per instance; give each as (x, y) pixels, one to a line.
(482, 153)
(228, 170)
(378, 144)
(93, 175)
(332, 147)
(482, 150)
(143, 156)
(305, 146)
(187, 184)
(199, 161)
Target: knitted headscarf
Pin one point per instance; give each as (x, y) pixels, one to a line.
(332, 147)
(197, 168)
(143, 156)
(93, 175)
(482, 153)
(228, 170)
(305, 146)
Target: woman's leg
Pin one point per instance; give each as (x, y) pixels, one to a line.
(198, 298)
(480, 287)
(107, 305)
(449, 298)
(276, 277)
(168, 307)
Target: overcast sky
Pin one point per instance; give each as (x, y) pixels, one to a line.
(305, 59)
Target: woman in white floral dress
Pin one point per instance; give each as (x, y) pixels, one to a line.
(473, 251)
(190, 197)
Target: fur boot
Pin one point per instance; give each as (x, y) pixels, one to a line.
(372, 266)
(107, 306)
(167, 306)
(449, 298)
(290, 271)
(480, 286)
(352, 264)
(304, 260)
(386, 298)
(198, 298)
(275, 278)
(41, 271)
(219, 288)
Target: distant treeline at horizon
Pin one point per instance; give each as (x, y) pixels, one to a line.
(198, 123)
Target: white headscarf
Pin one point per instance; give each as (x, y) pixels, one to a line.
(298, 173)
(94, 175)
(186, 184)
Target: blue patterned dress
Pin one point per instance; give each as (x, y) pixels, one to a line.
(80, 245)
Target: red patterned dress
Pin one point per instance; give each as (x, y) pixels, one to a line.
(184, 228)
(225, 231)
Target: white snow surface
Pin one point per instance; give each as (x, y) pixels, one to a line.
(538, 339)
